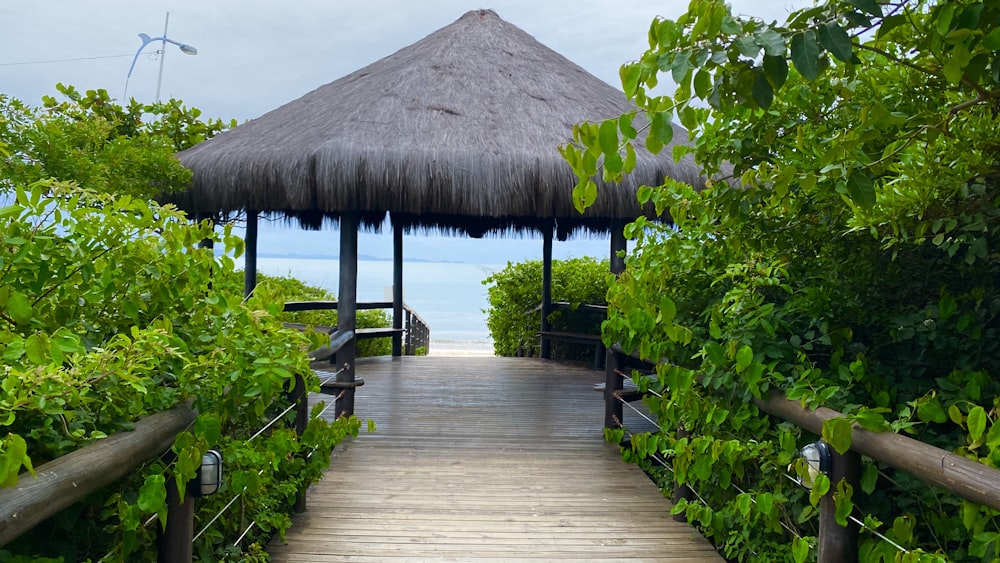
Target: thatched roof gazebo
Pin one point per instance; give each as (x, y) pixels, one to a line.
(458, 131)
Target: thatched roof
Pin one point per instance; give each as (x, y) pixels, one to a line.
(459, 130)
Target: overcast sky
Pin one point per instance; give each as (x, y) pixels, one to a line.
(255, 55)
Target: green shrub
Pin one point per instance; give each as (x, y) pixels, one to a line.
(515, 293)
(282, 289)
(110, 311)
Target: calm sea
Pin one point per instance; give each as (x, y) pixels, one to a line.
(449, 296)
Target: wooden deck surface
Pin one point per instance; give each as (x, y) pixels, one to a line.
(497, 459)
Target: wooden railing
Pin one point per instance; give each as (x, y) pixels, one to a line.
(968, 479)
(411, 337)
(547, 336)
(59, 483)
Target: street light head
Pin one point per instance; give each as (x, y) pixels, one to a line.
(187, 49)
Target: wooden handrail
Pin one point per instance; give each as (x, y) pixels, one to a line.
(63, 481)
(293, 306)
(964, 477)
(416, 328)
(338, 340)
(969, 479)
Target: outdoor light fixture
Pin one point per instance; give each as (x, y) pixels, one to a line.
(817, 456)
(146, 40)
(209, 476)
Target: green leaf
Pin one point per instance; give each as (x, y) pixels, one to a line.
(861, 189)
(800, 549)
(680, 66)
(153, 493)
(931, 411)
(869, 478)
(976, 422)
(843, 503)
(630, 74)
(608, 136)
(805, 54)
(955, 414)
(36, 347)
(743, 358)
(762, 92)
(19, 308)
(772, 42)
(702, 84)
(747, 46)
(668, 310)
(661, 128)
(868, 6)
(776, 71)
(584, 194)
(837, 433)
(625, 125)
(835, 39)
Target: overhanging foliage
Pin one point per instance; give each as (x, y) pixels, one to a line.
(851, 259)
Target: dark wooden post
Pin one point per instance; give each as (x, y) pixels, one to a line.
(250, 254)
(545, 350)
(173, 545)
(397, 288)
(300, 397)
(612, 381)
(410, 348)
(347, 310)
(839, 544)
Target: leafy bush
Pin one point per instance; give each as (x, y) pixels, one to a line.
(516, 292)
(107, 314)
(846, 254)
(110, 310)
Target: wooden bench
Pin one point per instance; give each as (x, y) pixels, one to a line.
(577, 338)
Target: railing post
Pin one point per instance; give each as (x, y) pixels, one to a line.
(300, 396)
(839, 544)
(250, 254)
(612, 384)
(397, 287)
(545, 346)
(409, 333)
(347, 311)
(612, 381)
(173, 545)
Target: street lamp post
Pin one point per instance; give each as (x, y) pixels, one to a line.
(146, 40)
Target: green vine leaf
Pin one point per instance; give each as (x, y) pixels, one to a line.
(805, 54)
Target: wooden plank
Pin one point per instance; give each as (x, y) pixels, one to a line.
(485, 459)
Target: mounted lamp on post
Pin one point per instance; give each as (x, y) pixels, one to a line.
(174, 541)
(209, 477)
(837, 543)
(818, 459)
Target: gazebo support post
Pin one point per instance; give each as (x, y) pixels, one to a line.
(347, 310)
(613, 363)
(397, 288)
(250, 254)
(545, 350)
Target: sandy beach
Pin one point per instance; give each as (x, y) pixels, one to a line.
(463, 348)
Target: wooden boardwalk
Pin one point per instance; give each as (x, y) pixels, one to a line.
(498, 459)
